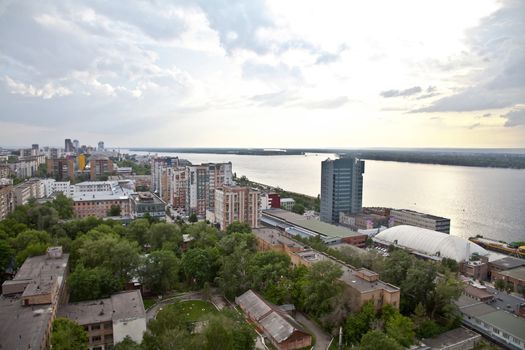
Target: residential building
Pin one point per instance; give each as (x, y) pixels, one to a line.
(5, 171)
(270, 200)
(108, 321)
(197, 195)
(341, 188)
(284, 332)
(160, 175)
(27, 166)
(414, 218)
(500, 326)
(219, 174)
(6, 200)
(287, 203)
(99, 203)
(178, 189)
(143, 203)
(236, 203)
(30, 300)
(81, 162)
(61, 169)
(68, 146)
(100, 146)
(76, 145)
(305, 226)
(27, 190)
(362, 285)
(100, 167)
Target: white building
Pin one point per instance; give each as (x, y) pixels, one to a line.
(287, 203)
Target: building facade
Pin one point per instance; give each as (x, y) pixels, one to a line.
(62, 169)
(236, 203)
(6, 200)
(341, 188)
(143, 203)
(100, 167)
(414, 218)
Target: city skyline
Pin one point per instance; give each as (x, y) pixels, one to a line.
(264, 74)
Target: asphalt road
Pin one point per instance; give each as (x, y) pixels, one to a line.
(505, 301)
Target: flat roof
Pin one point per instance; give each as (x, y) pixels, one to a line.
(428, 216)
(273, 236)
(120, 306)
(507, 322)
(517, 273)
(452, 337)
(22, 327)
(311, 224)
(508, 263)
(478, 292)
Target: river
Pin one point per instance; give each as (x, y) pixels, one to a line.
(485, 201)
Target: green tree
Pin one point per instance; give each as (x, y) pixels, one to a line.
(448, 288)
(67, 335)
(42, 217)
(298, 208)
(200, 265)
(359, 323)
(63, 205)
(193, 218)
(233, 276)
(400, 328)
(127, 344)
(165, 235)
(397, 268)
(417, 285)
(321, 284)
(500, 284)
(114, 210)
(138, 231)
(268, 268)
(228, 331)
(375, 339)
(160, 271)
(6, 256)
(91, 283)
(240, 227)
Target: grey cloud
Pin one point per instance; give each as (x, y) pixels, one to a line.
(328, 103)
(274, 99)
(429, 95)
(292, 100)
(486, 115)
(499, 41)
(474, 126)
(330, 57)
(401, 93)
(515, 118)
(251, 70)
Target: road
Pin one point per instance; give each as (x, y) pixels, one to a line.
(322, 339)
(505, 301)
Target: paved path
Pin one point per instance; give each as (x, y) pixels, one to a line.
(322, 339)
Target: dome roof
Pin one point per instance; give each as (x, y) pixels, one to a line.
(430, 242)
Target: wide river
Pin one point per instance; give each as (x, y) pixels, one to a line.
(485, 201)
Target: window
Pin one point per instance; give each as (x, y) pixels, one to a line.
(96, 338)
(95, 326)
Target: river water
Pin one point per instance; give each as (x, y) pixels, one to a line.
(485, 201)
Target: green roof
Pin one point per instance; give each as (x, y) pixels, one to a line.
(506, 322)
(311, 224)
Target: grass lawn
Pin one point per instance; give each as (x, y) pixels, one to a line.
(148, 302)
(195, 310)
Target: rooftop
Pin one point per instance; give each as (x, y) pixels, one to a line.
(120, 306)
(508, 263)
(428, 216)
(452, 337)
(517, 273)
(313, 225)
(507, 322)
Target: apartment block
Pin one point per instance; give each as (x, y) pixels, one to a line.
(30, 300)
(341, 188)
(108, 321)
(414, 218)
(62, 169)
(236, 203)
(99, 203)
(6, 200)
(100, 166)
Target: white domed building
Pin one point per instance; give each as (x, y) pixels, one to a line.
(430, 244)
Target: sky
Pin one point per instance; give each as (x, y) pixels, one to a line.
(276, 73)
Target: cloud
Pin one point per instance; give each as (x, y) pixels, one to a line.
(331, 103)
(515, 118)
(267, 72)
(293, 100)
(486, 115)
(274, 99)
(401, 93)
(474, 126)
(499, 43)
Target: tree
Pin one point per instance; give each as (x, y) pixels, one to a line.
(127, 344)
(6, 256)
(359, 323)
(91, 283)
(193, 218)
(200, 265)
(417, 285)
(267, 268)
(401, 329)
(114, 210)
(228, 331)
(239, 227)
(398, 264)
(448, 288)
(500, 284)
(138, 231)
(63, 205)
(321, 284)
(375, 339)
(160, 271)
(165, 235)
(42, 217)
(233, 276)
(68, 334)
(298, 208)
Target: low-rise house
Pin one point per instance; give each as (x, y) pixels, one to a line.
(456, 339)
(284, 332)
(108, 321)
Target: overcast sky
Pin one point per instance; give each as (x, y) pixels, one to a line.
(250, 73)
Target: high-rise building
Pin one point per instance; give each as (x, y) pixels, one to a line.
(35, 149)
(76, 144)
(100, 146)
(68, 146)
(100, 166)
(81, 162)
(236, 203)
(61, 168)
(341, 188)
